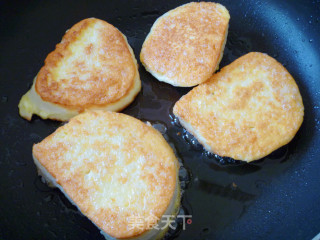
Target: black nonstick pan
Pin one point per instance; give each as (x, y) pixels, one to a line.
(277, 197)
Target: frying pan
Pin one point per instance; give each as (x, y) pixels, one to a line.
(273, 198)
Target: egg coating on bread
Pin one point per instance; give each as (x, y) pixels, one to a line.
(113, 167)
(246, 111)
(93, 67)
(185, 45)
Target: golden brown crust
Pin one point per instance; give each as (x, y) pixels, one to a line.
(113, 167)
(92, 66)
(184, 45)
(247, 110)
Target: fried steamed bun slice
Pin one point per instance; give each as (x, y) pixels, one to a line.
(113, 167)
(246, 111)
(185, 45)
(93, 67)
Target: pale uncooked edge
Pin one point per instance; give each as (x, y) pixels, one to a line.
(195, 133)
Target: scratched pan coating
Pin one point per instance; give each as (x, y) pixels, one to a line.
(273, 198)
